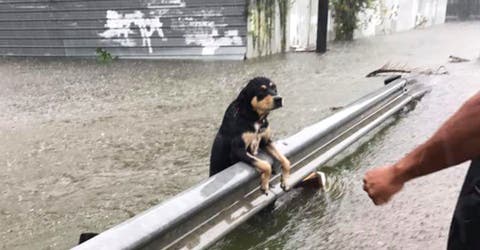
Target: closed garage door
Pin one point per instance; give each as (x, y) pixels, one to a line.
(185, 29)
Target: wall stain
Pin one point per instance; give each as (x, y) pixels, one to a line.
(262, 15)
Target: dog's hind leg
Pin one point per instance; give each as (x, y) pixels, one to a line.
(219, 157)
(284, 162)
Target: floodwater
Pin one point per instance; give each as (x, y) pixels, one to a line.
(85, 146)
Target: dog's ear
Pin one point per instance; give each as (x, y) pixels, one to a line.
(245, 95)
(248, 91)
(242, 95)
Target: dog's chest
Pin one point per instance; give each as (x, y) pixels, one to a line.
(257, 127)
(252, 139)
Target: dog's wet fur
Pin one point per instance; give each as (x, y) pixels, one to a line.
(245, 129)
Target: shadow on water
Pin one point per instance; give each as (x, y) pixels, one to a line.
(306, 209)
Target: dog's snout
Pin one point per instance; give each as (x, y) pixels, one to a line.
(278, 101)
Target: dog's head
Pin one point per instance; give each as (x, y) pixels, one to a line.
(261, 94)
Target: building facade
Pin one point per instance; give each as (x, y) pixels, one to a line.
(188, 29)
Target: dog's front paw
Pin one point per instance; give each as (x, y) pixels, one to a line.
(283, 181)
(285, 175)
(264, 190)
(284, 186)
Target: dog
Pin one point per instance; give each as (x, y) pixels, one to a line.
(245, 130)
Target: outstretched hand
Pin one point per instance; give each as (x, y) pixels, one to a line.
(381, 184)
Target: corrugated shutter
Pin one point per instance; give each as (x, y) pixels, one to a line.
(125, 28)
(463, 9)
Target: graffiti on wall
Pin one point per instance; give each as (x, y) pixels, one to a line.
(210, 43)
(206, 34)
(122, 27)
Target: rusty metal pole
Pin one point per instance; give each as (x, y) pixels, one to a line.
(322, 20)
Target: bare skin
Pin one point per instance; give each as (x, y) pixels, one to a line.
(456, 141)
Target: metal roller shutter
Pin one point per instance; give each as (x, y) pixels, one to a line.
(185, 29)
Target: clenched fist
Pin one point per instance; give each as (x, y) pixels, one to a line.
(381, 184)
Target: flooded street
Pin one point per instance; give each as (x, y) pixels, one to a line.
(85, 146)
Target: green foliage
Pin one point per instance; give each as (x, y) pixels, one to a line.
(346, 16)
(104, 56)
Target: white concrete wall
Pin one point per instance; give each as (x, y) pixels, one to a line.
(302, 25)
(385, 17)
(389, 16)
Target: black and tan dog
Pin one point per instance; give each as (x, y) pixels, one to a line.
(245, 129)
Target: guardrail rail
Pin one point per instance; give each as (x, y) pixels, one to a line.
(203, 214)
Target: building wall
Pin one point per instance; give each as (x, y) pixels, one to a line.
(303, 25)
(389, 16)
(267, 27)
(463, 10)
(385, 17)
(125, 28)
(188, 29)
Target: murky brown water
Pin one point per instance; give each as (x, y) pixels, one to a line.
(85, 146)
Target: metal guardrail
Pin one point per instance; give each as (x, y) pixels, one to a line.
(201, 215)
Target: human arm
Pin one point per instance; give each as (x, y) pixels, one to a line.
(456, 141)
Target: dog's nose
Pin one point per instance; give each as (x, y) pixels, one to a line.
(277, 100)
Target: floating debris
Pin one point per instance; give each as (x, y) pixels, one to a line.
(456, 59)
(336, 108)
(403, 69)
